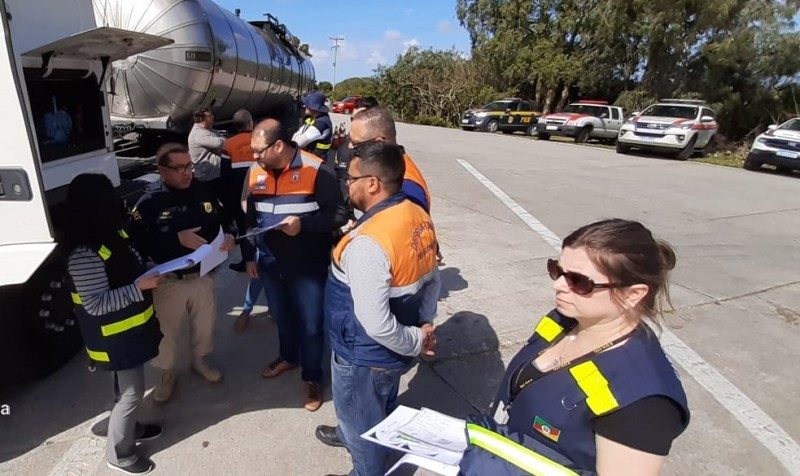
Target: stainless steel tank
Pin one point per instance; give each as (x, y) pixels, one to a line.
(217, 59)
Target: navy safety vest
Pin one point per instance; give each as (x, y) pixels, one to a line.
(324, 125)
(126, 338)
(557, 409)
(405, 233)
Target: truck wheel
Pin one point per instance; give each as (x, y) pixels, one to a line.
(751, 165)
(687, 151)
(543, 136)
(531, 131)
(622, 148)
(491, 126)
(583, 135)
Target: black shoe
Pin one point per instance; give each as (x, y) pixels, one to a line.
(148, 432)
(328, 435)
(238, 267)
(141, 466)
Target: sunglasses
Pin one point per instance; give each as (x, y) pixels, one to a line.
(578, 283)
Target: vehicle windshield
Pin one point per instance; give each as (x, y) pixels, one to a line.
(663, 110)
(496, 106)
(584, 109)
(793, 125)
(349, 98)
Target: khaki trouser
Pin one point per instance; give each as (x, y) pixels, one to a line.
(176, 299)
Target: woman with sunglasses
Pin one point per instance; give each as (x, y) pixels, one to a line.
(592, 391)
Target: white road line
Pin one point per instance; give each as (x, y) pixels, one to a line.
(754, 419)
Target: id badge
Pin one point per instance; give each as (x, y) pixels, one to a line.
(501, 415)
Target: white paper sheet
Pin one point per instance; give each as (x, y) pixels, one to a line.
(209, 256)
(258, 231)
(425, 463)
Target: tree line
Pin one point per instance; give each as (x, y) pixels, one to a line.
(742, 56)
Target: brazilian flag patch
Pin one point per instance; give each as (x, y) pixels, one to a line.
(546, 429)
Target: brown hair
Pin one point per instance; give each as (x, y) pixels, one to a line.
(162, 155)
(627, 253)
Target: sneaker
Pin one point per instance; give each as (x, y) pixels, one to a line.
(206, 371)
(147, 431)
(241, 322)
(140, 466)
(312, 393)
(163, 391)
(277, 367)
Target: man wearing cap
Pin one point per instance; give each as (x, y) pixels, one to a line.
(316, 134)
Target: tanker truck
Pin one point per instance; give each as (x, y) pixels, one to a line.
(76, 75)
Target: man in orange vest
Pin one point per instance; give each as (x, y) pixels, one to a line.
(238, 147)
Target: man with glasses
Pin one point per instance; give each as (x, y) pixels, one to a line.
(292, 191)
(175, 216)
(380, 302)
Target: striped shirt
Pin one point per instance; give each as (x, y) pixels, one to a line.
(88, 273)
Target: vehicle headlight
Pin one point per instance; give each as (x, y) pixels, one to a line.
(686, 126)
(761, 139)
(482, 114)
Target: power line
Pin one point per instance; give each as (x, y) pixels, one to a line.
(335, 48)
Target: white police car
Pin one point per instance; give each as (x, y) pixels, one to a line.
(680, 126)
(779, 146)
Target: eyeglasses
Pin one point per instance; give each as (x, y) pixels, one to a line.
(350, 179)
(578, 283)
(260, 152)
(181, 169)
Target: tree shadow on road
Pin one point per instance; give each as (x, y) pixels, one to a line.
(451, 280)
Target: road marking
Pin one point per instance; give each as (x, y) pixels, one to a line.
(754, 419)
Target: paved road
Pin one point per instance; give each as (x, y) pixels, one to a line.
(736, 291)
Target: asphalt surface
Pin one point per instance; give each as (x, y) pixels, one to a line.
(736, 292)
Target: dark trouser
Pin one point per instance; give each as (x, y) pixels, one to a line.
(295, 302)
(363, 397)
(128, 393)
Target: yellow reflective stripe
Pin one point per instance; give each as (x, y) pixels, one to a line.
(598, 396)
(104, 253)
(76, 298)
(126, 324)
(515, 453)
(98, 356)
(548, 329)
(123, 234)
(309, 121)
(323, 146)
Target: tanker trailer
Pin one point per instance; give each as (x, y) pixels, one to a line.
(217, 59)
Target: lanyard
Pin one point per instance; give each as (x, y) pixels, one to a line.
(519, 386)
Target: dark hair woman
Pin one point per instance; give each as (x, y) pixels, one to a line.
(592, 391)
(114, 308)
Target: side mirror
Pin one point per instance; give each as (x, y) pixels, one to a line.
(635, 113)
(772, 127)
(706, 119)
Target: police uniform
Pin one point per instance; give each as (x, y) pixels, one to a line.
(157, 218)
(366, 374)
(554, 413)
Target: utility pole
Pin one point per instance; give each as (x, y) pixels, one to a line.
(335, 48)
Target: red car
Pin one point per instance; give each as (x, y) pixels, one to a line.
(346, 105)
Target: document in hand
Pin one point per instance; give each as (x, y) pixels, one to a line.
(258, 231)
(437, 439)
(208, 256)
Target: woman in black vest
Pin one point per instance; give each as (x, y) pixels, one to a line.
(592, 391)
(114, 307)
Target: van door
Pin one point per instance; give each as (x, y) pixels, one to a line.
(27, 238)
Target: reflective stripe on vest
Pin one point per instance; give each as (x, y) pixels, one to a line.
(599, 398)
(127, 324)
(123, 234)
(98, 356)
(76, 298)
(104, 253)
(323, 146)
(548, 329)
(515, 453)
(286, 209)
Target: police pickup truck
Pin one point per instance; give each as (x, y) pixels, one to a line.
(583, 120)
(508, 115)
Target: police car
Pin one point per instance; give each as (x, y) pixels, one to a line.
(583, 120)
(779, 146)
(681, 126)
(489, 117)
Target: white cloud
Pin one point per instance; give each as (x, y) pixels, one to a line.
(347, 52)
(375, 58)
(319, 55)
(392, 35)
(444, 27)
(409, 44)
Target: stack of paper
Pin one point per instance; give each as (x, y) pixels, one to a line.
(208, 256)
(433, 441)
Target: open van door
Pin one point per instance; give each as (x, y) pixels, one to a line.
(26, 238)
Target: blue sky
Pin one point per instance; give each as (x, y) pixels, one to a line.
(375, 31)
